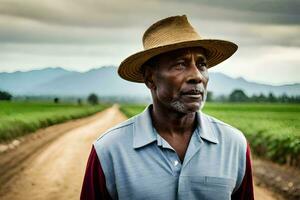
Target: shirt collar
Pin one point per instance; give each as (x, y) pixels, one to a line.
(143, 133)
(206, 130)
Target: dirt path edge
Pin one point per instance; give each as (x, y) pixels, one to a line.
(14, 160)
(282, 180)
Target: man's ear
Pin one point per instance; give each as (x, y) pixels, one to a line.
(148, 77)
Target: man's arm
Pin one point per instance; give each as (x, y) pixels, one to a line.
(245, 191)
(94, 186)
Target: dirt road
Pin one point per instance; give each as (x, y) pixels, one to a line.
(56, 170)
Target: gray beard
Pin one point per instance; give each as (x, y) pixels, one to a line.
(179, 106)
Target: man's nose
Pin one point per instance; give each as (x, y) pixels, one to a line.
(194, 75)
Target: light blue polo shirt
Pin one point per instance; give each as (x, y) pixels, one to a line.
(139, 164)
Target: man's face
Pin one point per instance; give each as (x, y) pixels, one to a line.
(180, 80)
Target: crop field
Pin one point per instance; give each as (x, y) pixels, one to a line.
(19, 118)
(273, 130)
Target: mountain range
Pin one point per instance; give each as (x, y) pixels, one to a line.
(105, 81)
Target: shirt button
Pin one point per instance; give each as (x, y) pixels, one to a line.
(176, 162)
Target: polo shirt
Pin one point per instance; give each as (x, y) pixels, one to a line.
(132, 161)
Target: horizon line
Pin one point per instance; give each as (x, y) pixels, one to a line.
(95, 68)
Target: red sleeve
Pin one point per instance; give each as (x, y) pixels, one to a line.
(94, 186)
(245, 191)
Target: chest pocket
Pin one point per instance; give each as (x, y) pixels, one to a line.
(211, 188)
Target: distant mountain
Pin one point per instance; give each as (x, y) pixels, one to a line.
(105, 82)
(23, 82)
(222, 84)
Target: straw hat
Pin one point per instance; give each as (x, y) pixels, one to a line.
(170, 34)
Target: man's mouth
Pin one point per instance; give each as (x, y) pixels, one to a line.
(194, 93)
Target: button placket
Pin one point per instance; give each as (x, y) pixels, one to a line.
(176, 165)
(170, 154)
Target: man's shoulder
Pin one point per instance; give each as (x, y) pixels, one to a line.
(116, 134)
(225, 130)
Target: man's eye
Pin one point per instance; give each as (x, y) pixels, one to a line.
(202, 66)
(179, 65)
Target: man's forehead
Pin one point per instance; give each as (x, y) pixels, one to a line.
(197, 51)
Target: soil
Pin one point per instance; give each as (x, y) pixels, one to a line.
(282, 179)
(54, 168)
(50, 163)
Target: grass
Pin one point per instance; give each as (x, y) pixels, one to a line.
(20, 118)
(273, 130)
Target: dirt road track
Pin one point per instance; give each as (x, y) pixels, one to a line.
(55, 171)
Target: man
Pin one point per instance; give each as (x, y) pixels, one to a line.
(171, 150)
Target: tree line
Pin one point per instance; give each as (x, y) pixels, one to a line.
(236, 95)
(91, 99)
(239, 95)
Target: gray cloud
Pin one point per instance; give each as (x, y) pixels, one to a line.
(254, 11)
(90, 21)
(82, 34)
(29, 31)
(115, 13)
(265, 64)
(88, 13)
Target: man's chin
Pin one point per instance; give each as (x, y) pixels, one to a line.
(186, 108)
(194, 107)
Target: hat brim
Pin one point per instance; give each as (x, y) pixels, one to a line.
(216, 52)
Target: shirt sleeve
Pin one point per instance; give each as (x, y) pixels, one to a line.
(245, 191)
(94, 185)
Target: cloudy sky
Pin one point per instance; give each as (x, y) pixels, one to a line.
(84, 34)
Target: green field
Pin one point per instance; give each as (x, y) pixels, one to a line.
(273, 130)
(19, 118)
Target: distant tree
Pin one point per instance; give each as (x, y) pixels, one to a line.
(221, 98)
(272, 98)
(56, 100)
(209, 96)
(262, 98)
(79, 102)
(238, 96)
(297, 99)
(283, 98)
(5, 96)
(289, 99)
(254, 98)
(93, 99)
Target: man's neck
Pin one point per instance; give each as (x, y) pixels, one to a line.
(171, 123)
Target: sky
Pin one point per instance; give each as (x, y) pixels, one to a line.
(84, 34)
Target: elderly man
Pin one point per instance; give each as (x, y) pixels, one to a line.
(171, 150)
